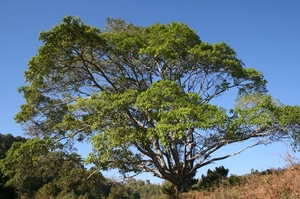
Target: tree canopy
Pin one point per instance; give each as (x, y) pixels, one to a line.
(142, 97)
(38, 168)
(6, 141)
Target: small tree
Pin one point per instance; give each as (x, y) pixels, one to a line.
(213, 178)
(142, 96)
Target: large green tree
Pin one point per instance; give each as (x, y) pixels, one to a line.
(143, 97)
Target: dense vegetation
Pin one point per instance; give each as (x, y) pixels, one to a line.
(6, 141)
(36, 168)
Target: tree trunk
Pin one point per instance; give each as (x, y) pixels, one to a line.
(181, 186)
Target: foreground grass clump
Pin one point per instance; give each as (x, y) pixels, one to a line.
(266, 185)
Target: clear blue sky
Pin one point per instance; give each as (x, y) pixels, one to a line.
(265, 35)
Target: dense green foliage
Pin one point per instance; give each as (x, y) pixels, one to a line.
(36, 168)
(213, 178)
(142, 97)
(39, 169)
(6, 142)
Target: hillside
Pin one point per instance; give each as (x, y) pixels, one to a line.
(272, 184)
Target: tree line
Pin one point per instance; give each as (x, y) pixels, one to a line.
(33, 168)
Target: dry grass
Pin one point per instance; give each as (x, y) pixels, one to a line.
(279, 184)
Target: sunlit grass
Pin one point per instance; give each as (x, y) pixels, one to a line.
(279, 183)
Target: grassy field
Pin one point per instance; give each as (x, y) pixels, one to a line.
(279, 183)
